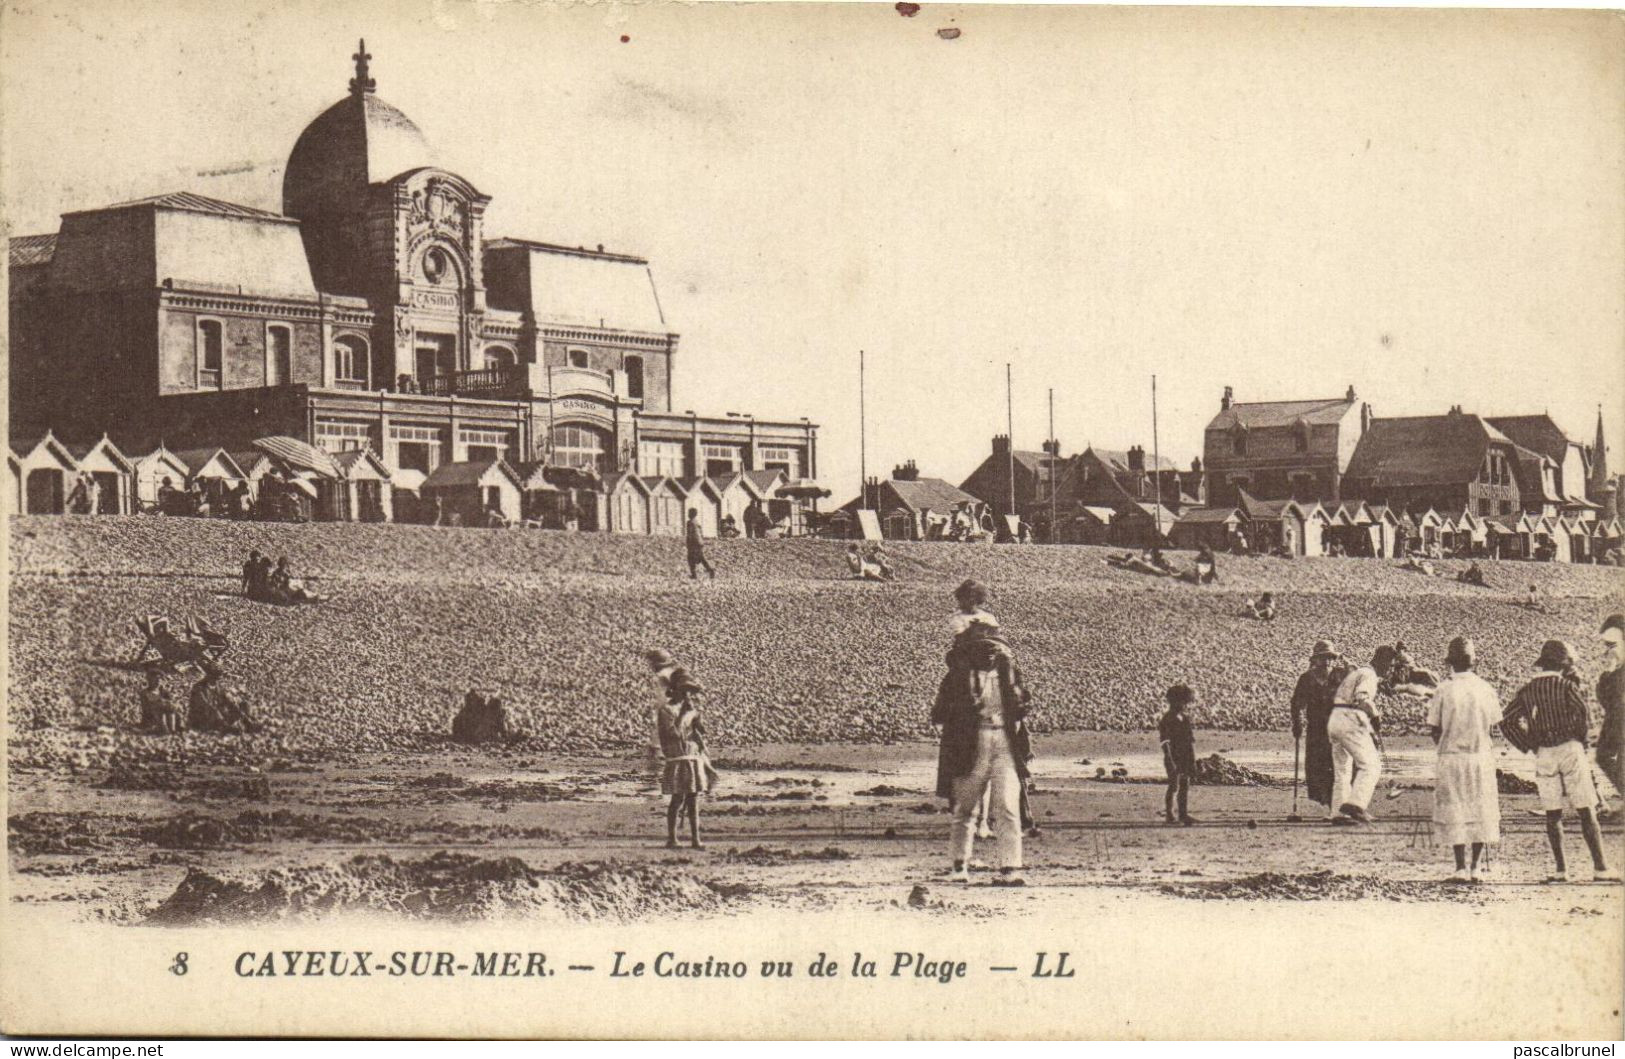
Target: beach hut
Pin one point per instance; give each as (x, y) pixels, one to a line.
(214, 473)
(107, 475)
(46, 472)
(469, 490)
(666, 514)
(152, 470)
(1212, 526)
(366, 493)
(1135, 525)
(701, 494)
(1579, 535)
(627, 499)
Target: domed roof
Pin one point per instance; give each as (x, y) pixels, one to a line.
(359, 140)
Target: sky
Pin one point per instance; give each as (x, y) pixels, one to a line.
(1423, 204)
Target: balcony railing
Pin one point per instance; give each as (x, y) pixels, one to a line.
(492, 381)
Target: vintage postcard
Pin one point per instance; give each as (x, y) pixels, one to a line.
(813, 521)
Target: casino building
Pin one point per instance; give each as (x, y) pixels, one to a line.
(373, 311)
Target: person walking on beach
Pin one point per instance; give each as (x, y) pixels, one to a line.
(1352, 729)
(1311, 710)
(1466, 800)
(688, 772)
(1548, 717)
(1611, 697)
(979, 702)
(694, 541)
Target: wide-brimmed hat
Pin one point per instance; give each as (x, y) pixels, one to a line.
(1555, 654)
(1325, 649)
(658, 658)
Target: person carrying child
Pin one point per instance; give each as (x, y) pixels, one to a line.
(1178, 754)
(979, 703)
(688, 772)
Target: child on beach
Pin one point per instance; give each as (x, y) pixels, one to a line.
(972, 599)
(1178, 753)
(688, 772)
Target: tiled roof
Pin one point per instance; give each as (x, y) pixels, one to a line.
(463, 473)
(929, 494)
(1209, 514)
(32, 250)
(1118, 461)
(197, 459)
(1536, 432)
(1423, 450)
(186, 200)
(1282, 413)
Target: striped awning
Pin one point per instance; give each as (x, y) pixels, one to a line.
(296, 453)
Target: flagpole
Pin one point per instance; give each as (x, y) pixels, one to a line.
(1156, 456)
(863, 442)
(1054, 457)
(1010, 439)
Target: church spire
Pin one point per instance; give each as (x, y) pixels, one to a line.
(1599, 457)
(361, 83)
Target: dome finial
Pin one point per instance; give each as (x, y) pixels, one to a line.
(361, 82)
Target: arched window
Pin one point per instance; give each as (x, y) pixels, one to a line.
(633, 366)
(498, 357)
(278, 355)
(210, 352)
(579, 445)
(350, 362)
(579, 358)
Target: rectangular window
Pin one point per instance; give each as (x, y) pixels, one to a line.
(415, 456)
(661, 457)
(723, 460)
(210, 352)
(485, 444)
(334, 435)
(1506, 507)
(633, 366)
(1483, 506)
(784, 458)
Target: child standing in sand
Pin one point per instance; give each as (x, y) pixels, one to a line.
(1178, 753)
(688, 772)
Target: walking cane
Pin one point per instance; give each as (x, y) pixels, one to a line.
(1295, 818)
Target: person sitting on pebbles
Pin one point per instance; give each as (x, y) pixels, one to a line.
(688, 772)
(158, 714)
(1263, 608)
(213, 707)
(1473, 575)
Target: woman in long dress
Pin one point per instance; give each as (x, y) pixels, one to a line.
(1466, 801)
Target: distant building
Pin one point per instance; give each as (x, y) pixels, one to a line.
(914, 508)
(1453, 462)
(1083, 485)
(372, 312)
(1570, 462)
(1279, 450)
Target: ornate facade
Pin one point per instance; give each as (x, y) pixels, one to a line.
(373, 311)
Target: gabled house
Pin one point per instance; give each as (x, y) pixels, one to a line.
(666, 513)
(152, 471)
(1281, 450)
(1570, 460)
(214, 472)
(1447, 462)
(914, 508)
(701, 495)
(626, 500)
(1212, 526)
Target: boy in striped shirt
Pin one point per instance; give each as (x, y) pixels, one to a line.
(1549, 717)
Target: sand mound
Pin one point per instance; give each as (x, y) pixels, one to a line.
(446, 886)
(1216, 770)
(1507, 783)
(762, 855)
(1318, 886)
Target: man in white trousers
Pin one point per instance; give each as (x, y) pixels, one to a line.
(1352, 729)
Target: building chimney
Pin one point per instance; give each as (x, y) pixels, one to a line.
(1350, 395)
(1001, 444)
(1228, 399)
(1196, 465)
(905, 472)
(1136, 459)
